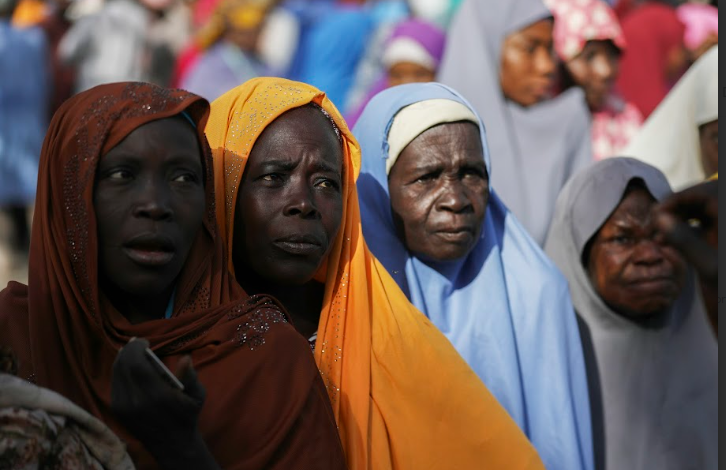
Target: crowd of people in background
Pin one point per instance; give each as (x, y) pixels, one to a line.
(363, 234)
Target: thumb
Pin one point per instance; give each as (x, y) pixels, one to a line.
(696, 250)
(187, 375)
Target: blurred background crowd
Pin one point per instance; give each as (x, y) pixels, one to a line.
(626, 55)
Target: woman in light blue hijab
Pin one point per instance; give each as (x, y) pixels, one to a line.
(503, 305)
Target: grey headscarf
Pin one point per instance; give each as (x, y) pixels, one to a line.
(536, 149)
(654, 387)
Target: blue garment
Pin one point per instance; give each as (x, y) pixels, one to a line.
(505, 306)
(330, 49)
(24, 103)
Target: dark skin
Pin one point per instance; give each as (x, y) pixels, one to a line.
(289, 211)
(149, 204)
(697, 242)
(595, 70)
(528, 67)
(408, 72)
(708, 135)
(439, 192)
(635, 274)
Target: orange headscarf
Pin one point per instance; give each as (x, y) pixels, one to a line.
(402, 396)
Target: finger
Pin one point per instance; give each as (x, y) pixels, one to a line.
(696, 250)
(187, 375)
(700, 200)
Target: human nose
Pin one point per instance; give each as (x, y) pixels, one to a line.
(454, 197)
(604, 68)
(300, 202)
(544, 62)
(648, 252)
(153, 201)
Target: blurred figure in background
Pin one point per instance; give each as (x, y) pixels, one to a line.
(230, 43)
(499, 57)
(125, 40)
(24, 95)
(589, 42)
(55, 25)
(656, 56)
(411, 55)
(681, 137)
(701, 22)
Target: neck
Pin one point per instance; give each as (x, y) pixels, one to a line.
(303, 303)
(139, 309)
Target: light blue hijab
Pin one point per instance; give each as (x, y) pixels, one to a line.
(505, 307)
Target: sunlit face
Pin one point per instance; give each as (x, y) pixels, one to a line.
(528, 67)
(635, 275)
(290, 200)
(595, 70)
(409, 72)
(439, 190)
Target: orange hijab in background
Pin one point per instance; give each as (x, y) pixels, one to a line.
(265, 399)
(402, 396)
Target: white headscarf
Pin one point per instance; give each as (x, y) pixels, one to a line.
(669, 139)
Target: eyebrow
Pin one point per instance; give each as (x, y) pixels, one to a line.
(287, 165)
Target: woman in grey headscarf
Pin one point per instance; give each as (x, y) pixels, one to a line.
(651, 358)
(499, 56)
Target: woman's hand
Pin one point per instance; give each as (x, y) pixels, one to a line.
(688, 220)
(160, 415)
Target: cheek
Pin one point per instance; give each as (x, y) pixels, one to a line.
(579, 71)
(332, 214)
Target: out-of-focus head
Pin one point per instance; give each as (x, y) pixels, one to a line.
(239, 22)
(413, 52)
(588, 40)
(435, 11)
(527, 66)
(437, 179)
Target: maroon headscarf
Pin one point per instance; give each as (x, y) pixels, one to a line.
(266, 405)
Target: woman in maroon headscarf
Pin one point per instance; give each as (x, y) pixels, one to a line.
(124, 245)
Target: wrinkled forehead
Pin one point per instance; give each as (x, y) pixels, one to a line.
(595, 193)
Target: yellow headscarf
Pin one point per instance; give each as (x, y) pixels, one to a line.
(402, 396)
(240, 14)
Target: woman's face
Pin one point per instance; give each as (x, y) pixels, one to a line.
(708, 134)
(290, 200)
(528, 67)
(149, 203)
(635, 275)
(408, 72)
(595, 70)
(439, 191)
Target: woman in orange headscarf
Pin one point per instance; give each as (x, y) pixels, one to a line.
(402, 396)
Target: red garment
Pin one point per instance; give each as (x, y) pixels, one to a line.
(652, 32)
(266, 405)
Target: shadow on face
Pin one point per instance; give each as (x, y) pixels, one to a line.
(635, 275)
(595, 70)
(527, 65)
(439, 191)
(290, 200)
(708, 135)
(149, 203)
(409, 72)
